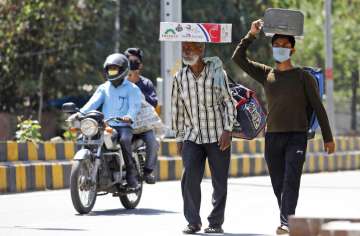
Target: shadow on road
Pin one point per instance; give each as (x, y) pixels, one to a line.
(229, 234)
(302, 186)
(234, 234)
(45, 229)
(143, 211)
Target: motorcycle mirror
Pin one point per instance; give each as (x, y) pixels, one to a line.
(69, 107)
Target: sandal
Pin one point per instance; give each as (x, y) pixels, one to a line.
(281, 230)
(214, 230)
(192, 229)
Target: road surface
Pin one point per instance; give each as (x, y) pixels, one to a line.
(251, 208)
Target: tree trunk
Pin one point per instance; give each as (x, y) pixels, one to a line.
(117, 27)
(41, 92)
(355, 84)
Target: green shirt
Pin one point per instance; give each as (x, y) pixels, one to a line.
(290, 94)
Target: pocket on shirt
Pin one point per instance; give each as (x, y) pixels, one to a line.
(122, 101)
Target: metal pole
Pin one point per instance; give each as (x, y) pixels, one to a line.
(170, 56)
(329, 67)
(117, 26)
(354, 82)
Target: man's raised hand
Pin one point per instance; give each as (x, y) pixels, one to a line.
(256, 27)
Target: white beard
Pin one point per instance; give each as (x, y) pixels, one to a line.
(192, 61)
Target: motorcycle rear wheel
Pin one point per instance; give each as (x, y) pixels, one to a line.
(131, 200)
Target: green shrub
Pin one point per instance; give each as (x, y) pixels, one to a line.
(28, 130)
(69, 135)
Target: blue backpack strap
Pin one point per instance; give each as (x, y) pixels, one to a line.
(318, 76)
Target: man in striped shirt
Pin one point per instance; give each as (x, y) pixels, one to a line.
(203, 114)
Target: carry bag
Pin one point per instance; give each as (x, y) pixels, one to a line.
(251, 117)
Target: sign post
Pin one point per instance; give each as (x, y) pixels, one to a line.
(170, 58)
(329, 68)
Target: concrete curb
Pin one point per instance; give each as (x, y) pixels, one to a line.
(34, 175)
(24, 176)
(49, 151)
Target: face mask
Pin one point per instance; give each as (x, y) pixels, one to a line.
(192, 61)
(134, 65)
(281, 54)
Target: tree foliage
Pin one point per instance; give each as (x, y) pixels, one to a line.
(49, 37)
(68, 41)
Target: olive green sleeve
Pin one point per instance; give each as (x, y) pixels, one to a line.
(255, 70)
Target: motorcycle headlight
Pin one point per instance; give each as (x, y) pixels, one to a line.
(89, 127)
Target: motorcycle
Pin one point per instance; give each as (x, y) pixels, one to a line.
(98, 166)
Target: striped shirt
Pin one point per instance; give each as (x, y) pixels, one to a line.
(202, 107)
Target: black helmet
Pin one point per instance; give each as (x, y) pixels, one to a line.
(135, 52)
(119, 60)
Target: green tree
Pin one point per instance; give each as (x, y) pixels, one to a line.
(140, 22)
(50, 49)
(44, 47)
(346, 44)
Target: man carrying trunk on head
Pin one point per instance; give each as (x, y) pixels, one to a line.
(203, 116)
(289, 91)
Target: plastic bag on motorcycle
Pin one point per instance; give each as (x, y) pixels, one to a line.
(147, 119)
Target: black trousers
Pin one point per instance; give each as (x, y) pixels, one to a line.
(285, 156)
(194, 157)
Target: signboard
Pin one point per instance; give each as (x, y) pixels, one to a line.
(195, 32)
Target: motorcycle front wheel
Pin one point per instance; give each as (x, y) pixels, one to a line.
(83, 192)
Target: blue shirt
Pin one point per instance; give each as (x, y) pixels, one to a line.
(122, 101)
(147, 88)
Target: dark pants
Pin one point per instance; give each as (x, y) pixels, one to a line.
(285, 156)
(125, 137)
(194, 157)
(152, 147)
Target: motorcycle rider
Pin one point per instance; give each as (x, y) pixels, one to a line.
(135, 56)
(118, 97)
